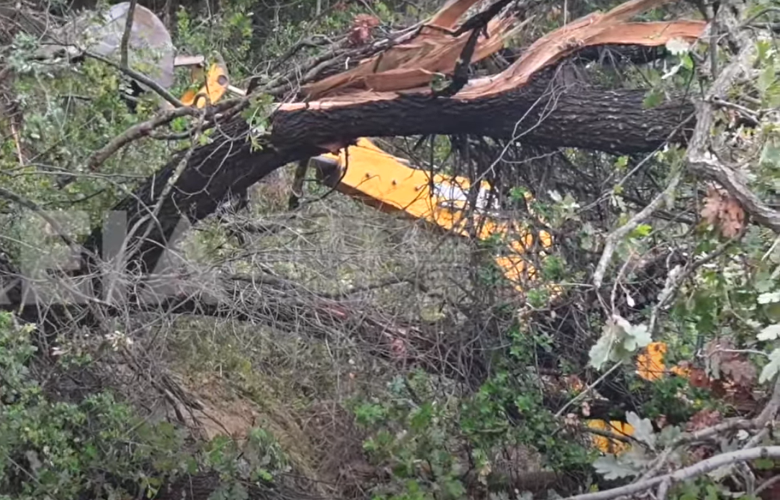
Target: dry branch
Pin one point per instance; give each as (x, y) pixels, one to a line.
(687, 473)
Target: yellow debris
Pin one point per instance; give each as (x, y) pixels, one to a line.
(609, 445)
(650, 362)
(212, 91)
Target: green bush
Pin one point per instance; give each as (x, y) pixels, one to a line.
(62, 450)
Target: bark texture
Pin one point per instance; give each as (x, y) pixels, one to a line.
(544, 113)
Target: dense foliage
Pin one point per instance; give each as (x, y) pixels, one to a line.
(367, 355)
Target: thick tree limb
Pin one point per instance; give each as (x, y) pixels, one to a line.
(522, 101)
(612, 121)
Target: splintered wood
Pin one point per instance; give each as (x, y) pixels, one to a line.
(410, 67)
(412, 64)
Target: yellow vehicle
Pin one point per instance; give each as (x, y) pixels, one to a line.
(385, 182)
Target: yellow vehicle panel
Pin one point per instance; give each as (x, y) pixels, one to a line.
(385, 182)
(216, 85)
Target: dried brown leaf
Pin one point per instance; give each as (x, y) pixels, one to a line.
(740, 371)
(724, 212)
(362, 27)
(712, 206)
(703, 419)
(732, 218)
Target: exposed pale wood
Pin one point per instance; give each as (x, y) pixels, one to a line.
(183, 60)
(412, 64)
(544, 53)
(448, 16)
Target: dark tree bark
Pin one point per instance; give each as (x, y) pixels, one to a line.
(540, 113)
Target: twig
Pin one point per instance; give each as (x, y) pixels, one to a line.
(17, 143)
(674, 281)
(663, 490)
(588, 389)
(766, 484)
(394, 280)
(702, 161)
(760, 422)
(133, 133)
(616, 236)
(749, 114)
(34, 207)
(694, 437)
(607, 434)
(772, 407)
(126, 35)
(685, 474)
(140, 77)
(136, 132)
(297, 185)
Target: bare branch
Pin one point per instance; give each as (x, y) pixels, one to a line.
(140, 77)
(675, 280)
(771, 408)
(126, 35)
(702, 161)
(685, 474)
(620, 233)
(134, 133)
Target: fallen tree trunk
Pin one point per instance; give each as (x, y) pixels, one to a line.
(386, 95)
(539, 113)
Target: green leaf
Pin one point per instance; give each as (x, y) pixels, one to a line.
(687, 61)
(600, 352)
(765, 79)
(771, 332)
(770, 155)
(636, 456)
(264, 475)
(641, 230)
(179, 124)
(763, 47)
(643, 428)
(653, 98)
(637, 336)
(611, 469)
(772, 368)
(421, 417)
(764, 464)
(769, 298)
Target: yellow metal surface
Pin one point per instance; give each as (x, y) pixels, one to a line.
(217, 82)
(610, 445)
(385, 182)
